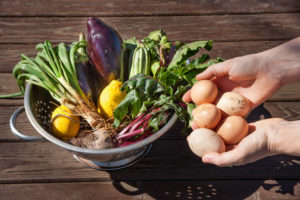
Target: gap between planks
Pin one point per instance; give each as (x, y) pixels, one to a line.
(146, 8)
(152, 15)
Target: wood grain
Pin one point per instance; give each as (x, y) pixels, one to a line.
(187, 28)
(167, 160)
(10, 53)
(8, 84)
(23, 124)
(11, 102)
(42, 170)
(145, 8)
(163, 190)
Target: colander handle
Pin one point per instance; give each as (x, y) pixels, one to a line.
(12, 124)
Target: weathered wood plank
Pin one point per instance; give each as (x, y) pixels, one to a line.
(8, 84)
(187, 28)
(145, 8)
(11, 102)
(167, 160)
(247, 189)
(288, 92)
(22, 124)
(10, 53)
(287, 110)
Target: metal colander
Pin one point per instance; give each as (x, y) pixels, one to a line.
(39, 106)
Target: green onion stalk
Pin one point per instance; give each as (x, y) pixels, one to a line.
(54, 70)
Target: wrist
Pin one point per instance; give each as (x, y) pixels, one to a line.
(272, 66)
(284, 138)
(283, 61)
(274, 136)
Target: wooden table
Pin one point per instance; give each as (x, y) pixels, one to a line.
(41, 170)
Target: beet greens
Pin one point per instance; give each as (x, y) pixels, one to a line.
(150, 101)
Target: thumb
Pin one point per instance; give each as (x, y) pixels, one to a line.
(252, 148)
(217, 70)
(229, 158)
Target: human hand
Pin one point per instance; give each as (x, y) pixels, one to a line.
(256, 76)
(258, 144)
(248, 75)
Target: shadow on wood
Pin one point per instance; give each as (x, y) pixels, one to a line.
(193, 179)
(282, 186)
(213, 188)
(194, 189)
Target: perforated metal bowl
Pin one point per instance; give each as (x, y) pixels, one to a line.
(38, 107)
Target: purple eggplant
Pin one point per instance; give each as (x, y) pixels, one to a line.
(105, 49)
(89, 79)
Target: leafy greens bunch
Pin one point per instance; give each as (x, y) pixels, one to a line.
(151, 98)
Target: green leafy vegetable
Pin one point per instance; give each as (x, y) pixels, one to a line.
(141, 90)
(158, 119)
(154, 68)
(174, 74)
(156, 35)
(54, 70)
(190, 108)
(177, 80)
(188, 50)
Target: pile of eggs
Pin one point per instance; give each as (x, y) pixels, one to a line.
(220, 120)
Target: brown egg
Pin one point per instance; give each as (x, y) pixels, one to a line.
(203, 140)
(232, 103)
(206, 115)
(204, 91)
(233, 129)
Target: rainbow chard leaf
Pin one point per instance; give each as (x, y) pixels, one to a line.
(141, 91)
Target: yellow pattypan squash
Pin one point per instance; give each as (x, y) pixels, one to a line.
(64, 127)
(110, 98)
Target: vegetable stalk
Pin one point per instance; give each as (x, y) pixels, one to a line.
(54, 70)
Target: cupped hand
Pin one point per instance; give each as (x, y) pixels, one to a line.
(249, 76)
(258, 144)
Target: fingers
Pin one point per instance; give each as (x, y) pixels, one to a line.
(217, 70)
(265, 123)
(187, 97)
(252, 148)
(234, 156)
(229, 158)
